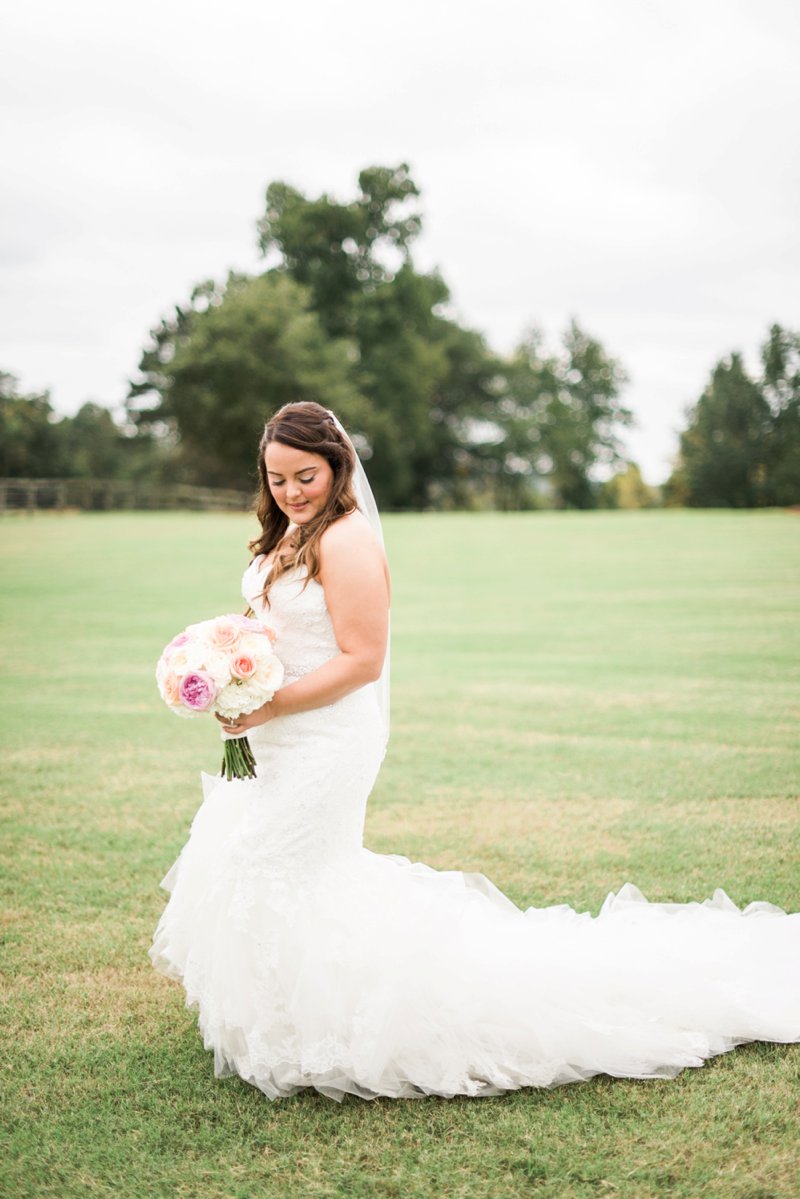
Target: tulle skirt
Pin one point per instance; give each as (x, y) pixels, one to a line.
(372, 975)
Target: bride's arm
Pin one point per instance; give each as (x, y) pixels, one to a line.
(354, 575)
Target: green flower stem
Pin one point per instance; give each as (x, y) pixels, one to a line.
(237, 760)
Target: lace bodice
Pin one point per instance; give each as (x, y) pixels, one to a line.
(299, 615)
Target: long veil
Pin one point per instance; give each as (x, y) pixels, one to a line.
(367, 504)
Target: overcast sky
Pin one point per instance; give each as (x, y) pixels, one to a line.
(633, 164)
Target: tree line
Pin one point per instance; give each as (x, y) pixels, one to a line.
(341, 315)
(37, 443)
(741, 444)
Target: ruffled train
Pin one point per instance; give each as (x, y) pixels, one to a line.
(375, 976)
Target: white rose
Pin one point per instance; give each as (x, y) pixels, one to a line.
(268, 674)
(254, 645)
(217, 664)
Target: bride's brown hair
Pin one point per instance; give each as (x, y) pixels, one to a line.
(310, 427)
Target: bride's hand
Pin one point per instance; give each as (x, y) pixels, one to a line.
(243, 723)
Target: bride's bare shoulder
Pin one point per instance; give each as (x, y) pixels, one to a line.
(350, 534)
(349, 548)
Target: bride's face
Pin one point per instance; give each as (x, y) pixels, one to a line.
(300, 482)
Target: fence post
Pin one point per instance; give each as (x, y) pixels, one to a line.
(107, 494)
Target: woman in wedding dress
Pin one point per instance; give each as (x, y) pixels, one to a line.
(313, 962)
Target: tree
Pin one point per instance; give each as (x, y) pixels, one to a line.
(780, 356)
(219, 367)
(423, 375)
(724, 450)
(29, 437)
(627, 489)
(426, 377)
(561, 414)
(339, 251)
(404, 381)
(92, 444)
(37, 443)
(342, 316)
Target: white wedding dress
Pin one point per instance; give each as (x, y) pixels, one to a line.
(313, 962)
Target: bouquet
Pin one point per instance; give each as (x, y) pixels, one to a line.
(225, 665)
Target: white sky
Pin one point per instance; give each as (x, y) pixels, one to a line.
(633, 164)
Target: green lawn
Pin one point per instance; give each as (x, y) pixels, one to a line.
(578, 700)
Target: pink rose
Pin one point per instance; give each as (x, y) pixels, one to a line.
(181, 639)
(171, 690)
(197, 691)
(247, 624)
(243, 667)
(223, 633)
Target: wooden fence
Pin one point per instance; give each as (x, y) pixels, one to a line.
(104, 495)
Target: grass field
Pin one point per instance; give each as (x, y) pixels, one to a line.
(578, 700)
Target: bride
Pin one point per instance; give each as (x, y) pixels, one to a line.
(313, 962)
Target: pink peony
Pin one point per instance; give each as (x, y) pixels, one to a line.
(243, 667)
(198, 691)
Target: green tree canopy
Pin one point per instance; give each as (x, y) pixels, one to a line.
(425, 378)
(220, 366)
(780, 356)
(627, 489)
(339, 250)
(741, 446)
(29, 438)
(342, 316)
(561, 414)
(423, 375)
(35, 442)
(92, 444)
